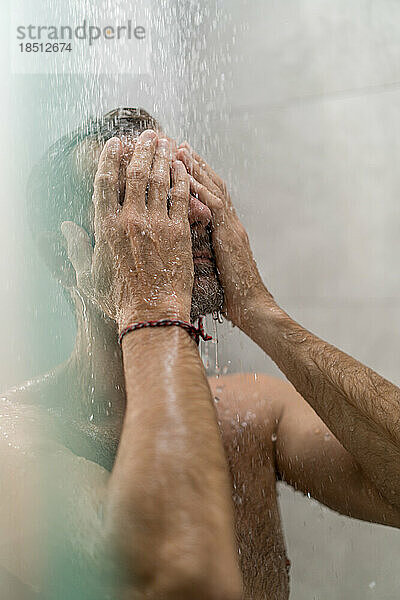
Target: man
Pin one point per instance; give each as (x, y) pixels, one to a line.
(163, 521)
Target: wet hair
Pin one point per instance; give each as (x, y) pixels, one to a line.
(57, 192)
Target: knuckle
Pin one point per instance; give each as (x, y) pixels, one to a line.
(222, 186)
(164, 230)
(218, 204)
(160, 223)
(134, 225)
(104, 181)
(135, 172)
(180, 193)
(214, 189)
(158, 180)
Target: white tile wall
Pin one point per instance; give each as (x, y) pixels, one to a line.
(305, 130)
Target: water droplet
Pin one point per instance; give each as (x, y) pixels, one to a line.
(274, 437)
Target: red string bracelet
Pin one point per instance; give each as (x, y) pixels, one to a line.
(194, 332)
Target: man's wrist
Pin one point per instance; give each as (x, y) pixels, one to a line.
(269, 326)
(129, 317)
(158, 340)
(258, 308)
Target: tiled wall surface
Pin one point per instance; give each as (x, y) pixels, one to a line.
(308, 139)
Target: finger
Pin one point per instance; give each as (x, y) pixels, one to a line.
(138, 171)
(128, 146)
(199, 213)
(173, 146)
(198, 173)
(214, 203)
(180, 193)
(79, 248)
(210, 172)
(105, 197)
(159, 180)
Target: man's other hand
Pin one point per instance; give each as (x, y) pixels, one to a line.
(237, 268)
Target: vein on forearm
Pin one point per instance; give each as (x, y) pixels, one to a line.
(360, 407)
(374, 397)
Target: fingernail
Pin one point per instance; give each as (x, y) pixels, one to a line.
(148, 135)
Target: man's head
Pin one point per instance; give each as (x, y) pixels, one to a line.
(61, 188)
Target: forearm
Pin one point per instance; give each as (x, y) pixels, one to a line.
(169, 488)
(359, 407)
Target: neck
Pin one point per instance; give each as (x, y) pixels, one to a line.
(95, 369)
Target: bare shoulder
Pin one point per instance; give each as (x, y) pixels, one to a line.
(261, 391)
(21, 426)
(37, 470)
(256, 399)
(253, 383)
(29, 440)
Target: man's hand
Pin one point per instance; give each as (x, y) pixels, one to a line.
(170, 466)
(142, 265)
(358, 406)
(237, 268)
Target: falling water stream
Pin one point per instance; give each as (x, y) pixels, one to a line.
(175, 77)
(184, 75)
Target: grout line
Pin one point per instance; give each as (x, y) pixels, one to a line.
(346, 94)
